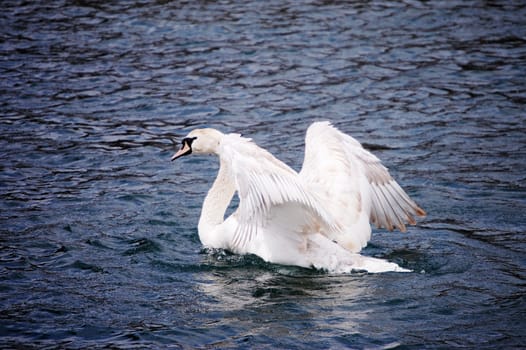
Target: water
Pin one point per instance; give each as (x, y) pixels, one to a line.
(98, 239)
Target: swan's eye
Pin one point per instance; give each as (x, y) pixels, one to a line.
(186, 148)
(188, 141)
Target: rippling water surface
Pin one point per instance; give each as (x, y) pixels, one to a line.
(98, 239)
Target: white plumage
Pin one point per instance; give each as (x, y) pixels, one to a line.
(318, 218)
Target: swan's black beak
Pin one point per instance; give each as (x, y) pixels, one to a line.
(186, 148)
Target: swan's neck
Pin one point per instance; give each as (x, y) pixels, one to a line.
(215, 204)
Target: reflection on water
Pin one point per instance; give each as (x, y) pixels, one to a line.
(284, 302)
(98, 242)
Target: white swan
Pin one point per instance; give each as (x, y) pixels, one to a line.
(318, 218)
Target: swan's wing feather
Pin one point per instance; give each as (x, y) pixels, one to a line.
(337, 166)
(391, 206)
(264, 183)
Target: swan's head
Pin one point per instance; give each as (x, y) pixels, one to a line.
(200, 141)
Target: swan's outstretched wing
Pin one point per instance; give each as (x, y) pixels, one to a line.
(355, 186)
(266, 187)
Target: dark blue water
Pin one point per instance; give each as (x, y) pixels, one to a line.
(98, 239)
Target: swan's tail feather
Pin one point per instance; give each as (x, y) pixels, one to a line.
(358, 263)
(327, 255)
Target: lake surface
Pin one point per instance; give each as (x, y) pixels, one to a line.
(98, 237)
